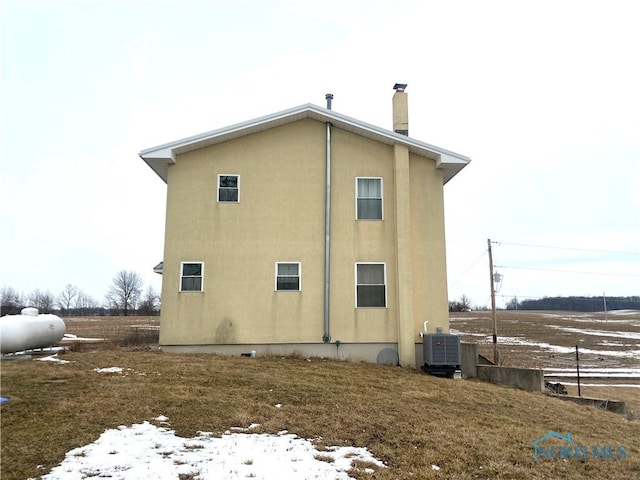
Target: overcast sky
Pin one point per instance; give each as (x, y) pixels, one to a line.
(543, 96)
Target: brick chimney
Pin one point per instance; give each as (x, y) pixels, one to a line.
(400, 110)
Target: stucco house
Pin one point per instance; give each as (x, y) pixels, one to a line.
(304, 231)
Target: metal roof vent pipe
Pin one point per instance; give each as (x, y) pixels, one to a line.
(329, 97)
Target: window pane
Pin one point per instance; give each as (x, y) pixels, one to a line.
(288, 283)
(191, 284)
(229, 181)
(228, 195)
(192, 269)
(371, 296)
(287, 269)
(371, 274)
(369, 209)
(369, 188)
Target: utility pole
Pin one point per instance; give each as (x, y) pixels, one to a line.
(493, 305)
(604, 298)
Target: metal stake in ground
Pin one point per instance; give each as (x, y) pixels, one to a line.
(578, 369)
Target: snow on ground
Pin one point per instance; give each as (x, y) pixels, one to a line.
(145, 451)
(588, 355)
(598, 333)
(608, 371)
(548, 373)
(72, 338)
(605, 353)
(607, 343)
(458, 332)
(109, 370)
(554, 348)
(53, 358)
(624, 312)
(590, 317)
(612, 385)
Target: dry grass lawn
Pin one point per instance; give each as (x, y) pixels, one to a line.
(409, 420)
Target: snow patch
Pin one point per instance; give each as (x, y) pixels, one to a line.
(108, 370)
(144, 451)
(612, 385)
(53, 358)
(599, 333)
(604, 370)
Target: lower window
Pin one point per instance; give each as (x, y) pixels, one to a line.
(287, 276)
(371, 285)
(191, 274)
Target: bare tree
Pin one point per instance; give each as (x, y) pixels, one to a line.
(85, 303)
(67, 298)
(150, 303)
(465, 303)
(125, 291)
(462, 305)
(513, 304)
(42, 300)
(10, 301)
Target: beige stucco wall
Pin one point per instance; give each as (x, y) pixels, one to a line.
(360, 240)
(428, 246)
(280, 217)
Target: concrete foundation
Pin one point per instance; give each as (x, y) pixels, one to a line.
(469, 359)
(531, 379)
(615, 406)
(383, 353)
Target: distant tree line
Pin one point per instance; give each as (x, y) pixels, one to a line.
(463, 304)
(575, 304)
(126, 296)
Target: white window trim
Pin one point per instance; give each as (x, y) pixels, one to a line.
(218, 186)
(355, 281)
(180, 277)
(381, 199)
(275, 280)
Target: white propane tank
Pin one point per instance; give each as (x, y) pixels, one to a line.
(29, 330)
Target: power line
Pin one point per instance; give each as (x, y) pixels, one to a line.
(567, 248)
(484, 252)
(568, 271)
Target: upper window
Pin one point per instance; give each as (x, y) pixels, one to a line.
(191, 276)
(287, 276)
(369, 198)
(371, 285)
(228, 188)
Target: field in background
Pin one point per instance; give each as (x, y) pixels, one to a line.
(114, 331)
(608, 344)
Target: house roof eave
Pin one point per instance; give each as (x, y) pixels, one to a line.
(160, 157)
(159, 163)
(451, 166)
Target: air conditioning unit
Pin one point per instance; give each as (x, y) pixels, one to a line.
(441, 353)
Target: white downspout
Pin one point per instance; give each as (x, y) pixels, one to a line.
(326, 337)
